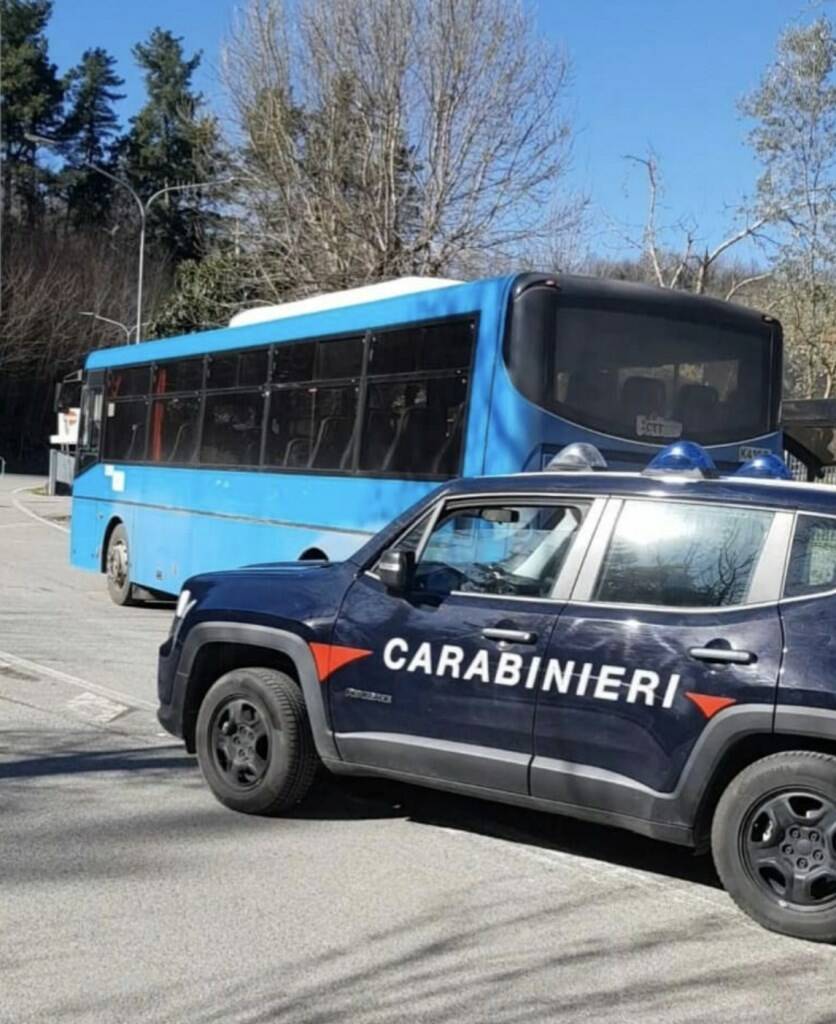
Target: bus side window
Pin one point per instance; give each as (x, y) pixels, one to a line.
(333, 428)
(288, 428)
(237, 369)
(414, 427)
(311, 427)
(416, 399)
(174, 424)
(232, 428)
(123, 381)
(125, 430)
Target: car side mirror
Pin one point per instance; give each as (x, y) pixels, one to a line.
(395, 569)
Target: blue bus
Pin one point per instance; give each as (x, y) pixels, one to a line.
(299, 431)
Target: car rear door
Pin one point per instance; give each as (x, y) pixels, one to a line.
(673, 621)
(436, 680)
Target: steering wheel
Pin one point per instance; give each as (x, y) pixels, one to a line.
(502, 581)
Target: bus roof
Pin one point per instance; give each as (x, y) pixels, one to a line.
(378, 306)
(336, 300)
(373, 306)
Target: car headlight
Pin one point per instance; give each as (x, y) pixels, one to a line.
(183, 602)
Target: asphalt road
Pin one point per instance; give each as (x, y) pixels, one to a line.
(127, 894)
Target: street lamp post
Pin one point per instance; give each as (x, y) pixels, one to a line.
(143, 208)
(107, 320)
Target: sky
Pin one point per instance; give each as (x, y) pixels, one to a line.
(661, 73)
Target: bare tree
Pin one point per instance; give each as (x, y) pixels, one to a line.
(49, 278)
(690, 264)
(794, 109)
(383, 137)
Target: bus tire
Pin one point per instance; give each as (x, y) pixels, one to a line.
(254, 742)
(118, 567)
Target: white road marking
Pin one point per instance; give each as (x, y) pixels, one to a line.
(95, 708)
(34, 515)
(83, 684)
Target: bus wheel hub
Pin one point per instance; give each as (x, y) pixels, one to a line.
(117, 563)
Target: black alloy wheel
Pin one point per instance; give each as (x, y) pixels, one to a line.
(254, 741)
(773, 839)
(240, 742)
(788, 844)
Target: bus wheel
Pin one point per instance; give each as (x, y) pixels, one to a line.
(118, 567)
(254, 742)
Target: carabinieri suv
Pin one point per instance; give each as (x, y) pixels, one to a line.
(653, 651)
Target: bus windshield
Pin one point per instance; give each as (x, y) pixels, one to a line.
(647, 374)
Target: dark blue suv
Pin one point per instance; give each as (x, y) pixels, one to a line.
(653, 651)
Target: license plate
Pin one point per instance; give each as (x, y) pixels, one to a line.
(746, 452)
(657, 426)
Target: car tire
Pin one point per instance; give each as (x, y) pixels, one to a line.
(254, 741)
(118, 567)
(773, 839)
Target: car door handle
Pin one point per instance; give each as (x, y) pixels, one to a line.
(510, 636)
(725, 654)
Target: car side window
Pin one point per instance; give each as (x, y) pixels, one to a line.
(682, 555)
(410, 540)
(812, 567)
(498, 549)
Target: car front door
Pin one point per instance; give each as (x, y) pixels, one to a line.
(435, 680)
(673, 621)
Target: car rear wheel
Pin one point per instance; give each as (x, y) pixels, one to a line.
(118, 567)
(254, 741)
(774, 843)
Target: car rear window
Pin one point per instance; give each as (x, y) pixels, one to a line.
(682, 555)
(812, 567)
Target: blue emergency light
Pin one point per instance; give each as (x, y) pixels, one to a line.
(765, 467)
(579, 457)
(682, 458)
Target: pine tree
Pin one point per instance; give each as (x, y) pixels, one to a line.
(171, 142)
(90, 131)
(30, 102)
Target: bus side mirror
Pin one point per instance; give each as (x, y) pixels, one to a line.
(395, 570)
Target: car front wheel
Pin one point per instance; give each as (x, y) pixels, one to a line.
(254, 741)
(774, 843)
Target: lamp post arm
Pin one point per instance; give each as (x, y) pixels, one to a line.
(181, 188)
(123, 184)
(108, 320)
(142, 210)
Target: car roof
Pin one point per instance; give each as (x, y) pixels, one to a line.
(778, 494)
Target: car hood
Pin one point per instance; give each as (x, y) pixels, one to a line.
(277, 593)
